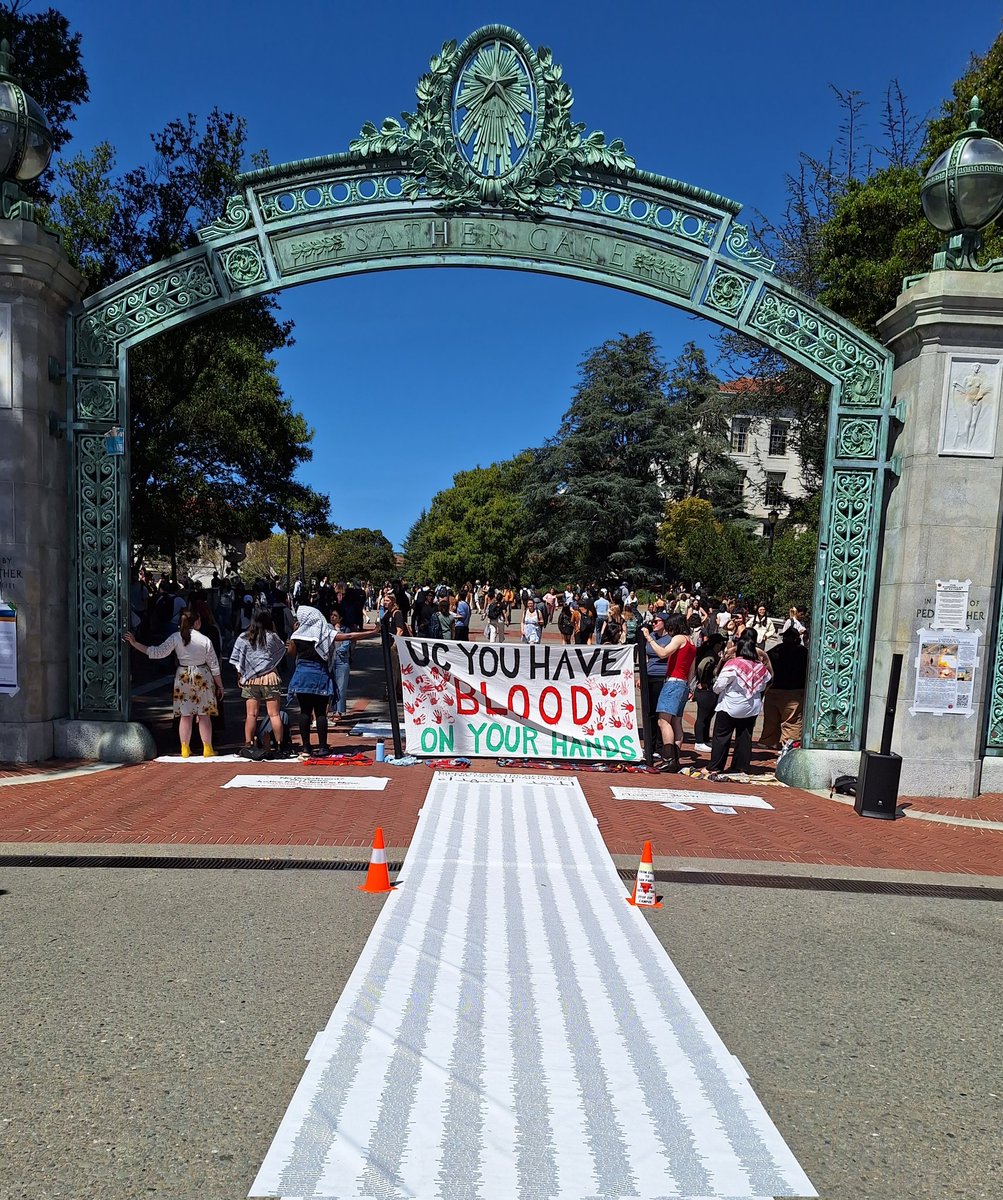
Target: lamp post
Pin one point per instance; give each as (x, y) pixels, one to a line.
(963, 193)
(772, 517)
(25, 143)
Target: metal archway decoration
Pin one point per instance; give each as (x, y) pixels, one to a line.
(489, 171)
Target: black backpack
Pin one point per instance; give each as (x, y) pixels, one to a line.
(494, 611)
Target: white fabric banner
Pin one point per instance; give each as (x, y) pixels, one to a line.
(514, 1030)
(514, 700)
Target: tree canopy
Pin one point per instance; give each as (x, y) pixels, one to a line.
(477, 528)
(215, 442)
(594, 490)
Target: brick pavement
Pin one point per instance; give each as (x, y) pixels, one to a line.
(185, 805)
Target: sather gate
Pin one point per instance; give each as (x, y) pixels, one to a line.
(489, 171)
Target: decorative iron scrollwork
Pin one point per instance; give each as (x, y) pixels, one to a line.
(798, 329)
(834, 713)
(244, 265)
(857, 437)
(236, 217)
(142, 308)
(727, 292)
(97, 400)
(737, 244)
(100, 487)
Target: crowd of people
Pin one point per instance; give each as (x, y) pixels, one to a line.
(263, 629)
(732, 661)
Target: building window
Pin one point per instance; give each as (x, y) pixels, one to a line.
(775, 488)
(778, 438)
(740, 435)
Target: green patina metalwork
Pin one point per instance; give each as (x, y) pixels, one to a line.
(474, 178)
(994, 707)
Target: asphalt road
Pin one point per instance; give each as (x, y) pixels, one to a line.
(154, 1025)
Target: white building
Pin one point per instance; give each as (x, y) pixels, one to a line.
(760, 447)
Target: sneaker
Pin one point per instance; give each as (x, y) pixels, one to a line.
(186, 750)
(702, 747)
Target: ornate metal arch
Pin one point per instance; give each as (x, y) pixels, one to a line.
(489, 171)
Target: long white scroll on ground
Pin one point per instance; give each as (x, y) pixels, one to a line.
(513, 1030)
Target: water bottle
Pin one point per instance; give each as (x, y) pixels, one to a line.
(381, 752)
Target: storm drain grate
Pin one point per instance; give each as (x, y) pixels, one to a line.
(790, 883)
(159, 862)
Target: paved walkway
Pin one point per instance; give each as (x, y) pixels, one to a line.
(171, 805)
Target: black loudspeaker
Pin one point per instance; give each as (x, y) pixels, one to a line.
(878, 785)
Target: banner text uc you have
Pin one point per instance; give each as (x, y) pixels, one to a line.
(514, 700)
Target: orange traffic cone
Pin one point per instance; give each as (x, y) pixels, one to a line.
(378, 877)
(643, 895)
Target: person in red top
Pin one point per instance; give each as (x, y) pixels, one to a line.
(680, 654)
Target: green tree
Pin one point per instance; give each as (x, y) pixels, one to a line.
(357, 554)
(876, 233)
(700, 412)
(685, 520)
(595, 492)
(215, 443)
(787, 577)
(722, 555)
(478, 528)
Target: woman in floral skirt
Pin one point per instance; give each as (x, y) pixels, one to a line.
(197, 682)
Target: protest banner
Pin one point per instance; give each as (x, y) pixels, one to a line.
(514, 700)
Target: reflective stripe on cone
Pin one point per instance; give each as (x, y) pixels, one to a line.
(377, 877)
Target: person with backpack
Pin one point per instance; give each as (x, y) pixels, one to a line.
(445, 620)
(614, 630)
(426, 623)
(586, 623)
(461, 630)
(566, 623)
(494, 628)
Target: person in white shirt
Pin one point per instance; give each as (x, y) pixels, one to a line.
(740, 684)
(531, 623)
(795, 621)
(197, 682)
(766, 630)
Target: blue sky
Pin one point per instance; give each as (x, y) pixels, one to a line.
(410, 376)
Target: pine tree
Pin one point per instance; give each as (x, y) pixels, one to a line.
(595, 493)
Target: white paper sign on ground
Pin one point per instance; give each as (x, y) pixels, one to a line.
(197, 758)
(314, 783)
(514, 1029)
(679, 796)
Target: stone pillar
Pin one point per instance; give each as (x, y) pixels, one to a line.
(944, 514)
(37, 287)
